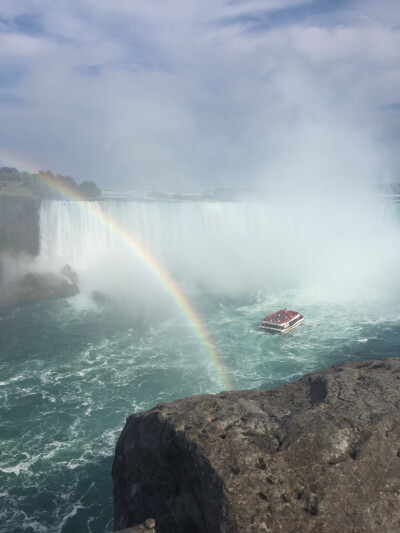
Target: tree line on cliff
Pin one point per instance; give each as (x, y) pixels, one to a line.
(44, 184)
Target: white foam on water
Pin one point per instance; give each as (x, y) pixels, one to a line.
(13, 379)
(75, 508)
(35, 526)
(23, 466)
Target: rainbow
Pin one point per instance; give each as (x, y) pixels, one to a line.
(155, 267)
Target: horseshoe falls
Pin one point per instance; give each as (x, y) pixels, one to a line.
(72, 370)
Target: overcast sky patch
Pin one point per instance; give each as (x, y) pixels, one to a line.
(200, 94)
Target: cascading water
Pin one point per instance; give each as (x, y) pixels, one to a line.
(227, 248)
(73, 370)
(198, 241)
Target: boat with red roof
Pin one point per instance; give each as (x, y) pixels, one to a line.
(281, 321)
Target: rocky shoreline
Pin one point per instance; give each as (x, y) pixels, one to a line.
(318, 455)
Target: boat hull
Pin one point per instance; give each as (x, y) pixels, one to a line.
(272, 328)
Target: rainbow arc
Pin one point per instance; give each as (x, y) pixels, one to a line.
(156, 268)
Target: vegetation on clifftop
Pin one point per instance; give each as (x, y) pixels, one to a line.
(44, 184)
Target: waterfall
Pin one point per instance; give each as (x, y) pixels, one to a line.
(225, 246)
(196, 241)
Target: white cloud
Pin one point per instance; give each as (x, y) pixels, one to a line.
(16, 45)
(374, 43)
(246, 7)
(173, 94)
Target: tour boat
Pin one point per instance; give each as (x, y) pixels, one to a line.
(281, 321)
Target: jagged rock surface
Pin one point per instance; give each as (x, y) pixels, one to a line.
(319, 455)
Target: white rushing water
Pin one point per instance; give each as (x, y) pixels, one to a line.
(342, 251)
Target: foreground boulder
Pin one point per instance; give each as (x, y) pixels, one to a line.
(319, 455)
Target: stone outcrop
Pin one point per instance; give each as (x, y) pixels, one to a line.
(35, 287)
(147, 527)
(32, 287)
(319, 455)
(19, 243)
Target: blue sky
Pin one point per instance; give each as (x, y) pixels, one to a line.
(197, 94)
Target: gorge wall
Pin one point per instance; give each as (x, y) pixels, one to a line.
(20, 234)
(322, 454)
(19, 224)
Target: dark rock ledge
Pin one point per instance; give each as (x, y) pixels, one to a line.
(319, 455)
(33, 287)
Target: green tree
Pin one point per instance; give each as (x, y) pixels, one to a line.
(89, 189)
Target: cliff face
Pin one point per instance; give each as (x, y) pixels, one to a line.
(19, 224)
(322, 454)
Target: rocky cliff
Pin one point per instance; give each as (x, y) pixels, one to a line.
(19, 239)
(19, 224)
(319, 455)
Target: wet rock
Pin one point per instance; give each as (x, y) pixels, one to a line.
(34, 287)
(318, 455)
(69, 274)
(148, 527)
(20, 287)
(101, 298)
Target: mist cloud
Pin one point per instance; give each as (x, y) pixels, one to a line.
(202, 94)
